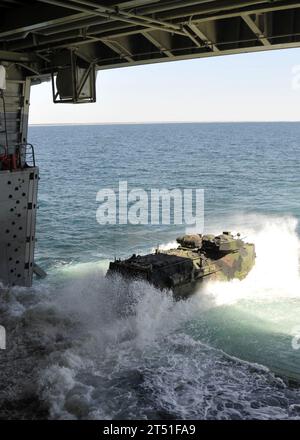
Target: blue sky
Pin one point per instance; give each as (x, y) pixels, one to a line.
(249, 87)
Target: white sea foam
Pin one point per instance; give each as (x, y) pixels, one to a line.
(100, 348)
(276, 272)
(166, 246)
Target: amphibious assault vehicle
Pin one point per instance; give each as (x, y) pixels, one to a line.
(198, 257)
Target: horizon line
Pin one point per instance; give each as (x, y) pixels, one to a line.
(159, 122)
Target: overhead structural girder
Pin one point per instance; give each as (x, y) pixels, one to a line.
(252, 24)
(161, 40)
(196, 28)
(122, 33)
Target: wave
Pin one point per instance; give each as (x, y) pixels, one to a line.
(276, 272)
(89, 347)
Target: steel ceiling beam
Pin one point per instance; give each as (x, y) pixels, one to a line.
(17, 57)
(154, 40)
(203, 37)
(208, 8)
(125, 14)
(35, 19)
(75, 19)
(200, 17)
(175, 29)
(256, 30)
(197, 55)
(137, 21)
(159, 7)
(119, 49)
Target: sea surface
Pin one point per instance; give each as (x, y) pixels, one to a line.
(80, 346)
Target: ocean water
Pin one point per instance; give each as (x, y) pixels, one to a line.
(84, 347)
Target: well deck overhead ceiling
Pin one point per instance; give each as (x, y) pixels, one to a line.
(121, 33)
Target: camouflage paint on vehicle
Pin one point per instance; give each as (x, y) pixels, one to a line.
(223, 257)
